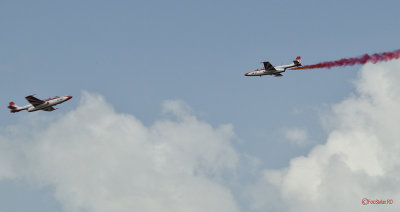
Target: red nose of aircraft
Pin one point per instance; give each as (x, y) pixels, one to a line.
(69, 97)
(246, 74)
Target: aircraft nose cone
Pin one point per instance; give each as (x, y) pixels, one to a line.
(246, 74)
(69, 97)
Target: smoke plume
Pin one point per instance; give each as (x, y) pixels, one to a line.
(377, 57)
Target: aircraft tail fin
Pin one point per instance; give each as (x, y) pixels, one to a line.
(14, 108)
(297, 61)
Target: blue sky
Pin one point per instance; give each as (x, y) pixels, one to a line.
(138, 54)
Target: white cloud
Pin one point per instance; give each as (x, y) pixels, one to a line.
(359, 160)
(296, 135)
(100, 160)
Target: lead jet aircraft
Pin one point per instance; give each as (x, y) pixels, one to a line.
(273, 70)
(37, 104)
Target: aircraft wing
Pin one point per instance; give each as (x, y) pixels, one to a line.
(34, 101)
(278, 75)
(49, 109)
(268, 66)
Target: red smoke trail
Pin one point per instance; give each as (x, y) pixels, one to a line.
(377, 57)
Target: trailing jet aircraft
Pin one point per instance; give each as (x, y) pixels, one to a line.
(37, 104)
(273, 70)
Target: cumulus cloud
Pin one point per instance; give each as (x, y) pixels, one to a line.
(296, 135)
(359, 160)
(99, 160)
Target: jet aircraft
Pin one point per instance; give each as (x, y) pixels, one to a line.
(273, 70)
(37, 104)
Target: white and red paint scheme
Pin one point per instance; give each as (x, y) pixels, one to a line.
(274, 70)
(37, 104)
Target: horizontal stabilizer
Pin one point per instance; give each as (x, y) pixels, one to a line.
(297, 62)
(12, 106)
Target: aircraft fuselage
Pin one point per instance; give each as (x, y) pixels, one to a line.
(48, 103)
(262, 71)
